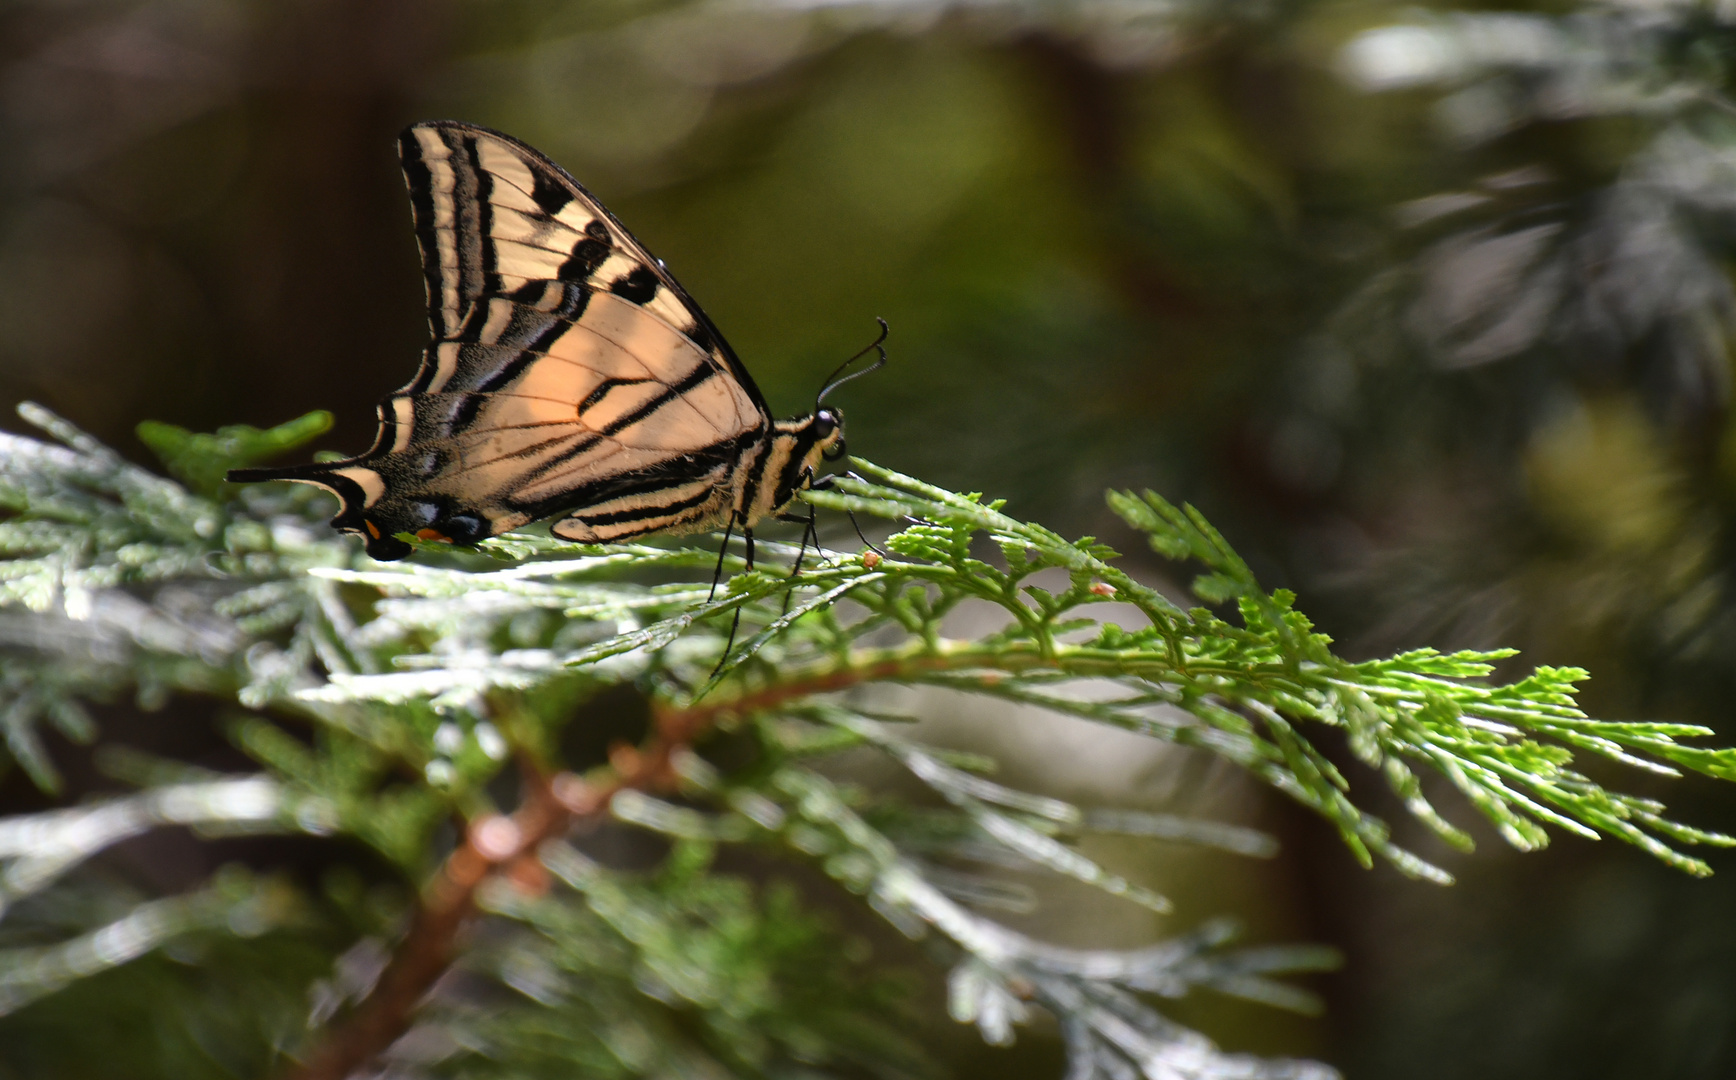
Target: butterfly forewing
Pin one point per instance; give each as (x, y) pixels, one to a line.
(496, 218)
(568, 369)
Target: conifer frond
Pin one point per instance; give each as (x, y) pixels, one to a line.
(385, 701)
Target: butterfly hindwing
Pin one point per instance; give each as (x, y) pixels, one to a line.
(568, 369)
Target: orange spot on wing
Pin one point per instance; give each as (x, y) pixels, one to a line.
(433, 534)
(373, 530)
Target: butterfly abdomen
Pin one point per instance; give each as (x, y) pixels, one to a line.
(758, 479)
(695, 493)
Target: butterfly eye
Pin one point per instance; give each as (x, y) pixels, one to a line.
(825, 422)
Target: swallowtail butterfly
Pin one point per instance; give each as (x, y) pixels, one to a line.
(569, 374)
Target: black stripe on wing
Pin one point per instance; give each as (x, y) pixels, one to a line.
(503, 341)
(454, 289)
(419, 179)
(676, 472)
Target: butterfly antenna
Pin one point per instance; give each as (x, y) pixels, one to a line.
(833, 381)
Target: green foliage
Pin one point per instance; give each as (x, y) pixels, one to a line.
(385, 700)
(685, 972)
(1244, 687)
(220, 999)
(200, 461)
(1109, 237)
(115, 579)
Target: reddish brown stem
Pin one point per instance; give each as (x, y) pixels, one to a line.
(508, 845)
(426, 951)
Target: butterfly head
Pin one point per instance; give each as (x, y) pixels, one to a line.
(828, 429)
(792, 460)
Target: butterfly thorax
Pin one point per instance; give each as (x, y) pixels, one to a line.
(759, 479)
(786, 462)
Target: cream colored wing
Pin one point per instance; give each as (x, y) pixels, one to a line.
(568, 370)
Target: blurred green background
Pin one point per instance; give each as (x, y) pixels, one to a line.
(1430, 311)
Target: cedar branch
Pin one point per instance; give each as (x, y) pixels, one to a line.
(497, 844)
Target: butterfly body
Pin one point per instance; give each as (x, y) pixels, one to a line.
(569, 374)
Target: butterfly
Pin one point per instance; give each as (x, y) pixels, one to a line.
(569, 374)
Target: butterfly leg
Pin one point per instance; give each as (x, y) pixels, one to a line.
(860, 535)
(810, 527)
(717, 574)
(824, 484)
(735, 623)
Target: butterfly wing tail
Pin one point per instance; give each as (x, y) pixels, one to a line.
(351, 485)
(313, 474)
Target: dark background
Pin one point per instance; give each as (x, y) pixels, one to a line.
(1433, 322)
